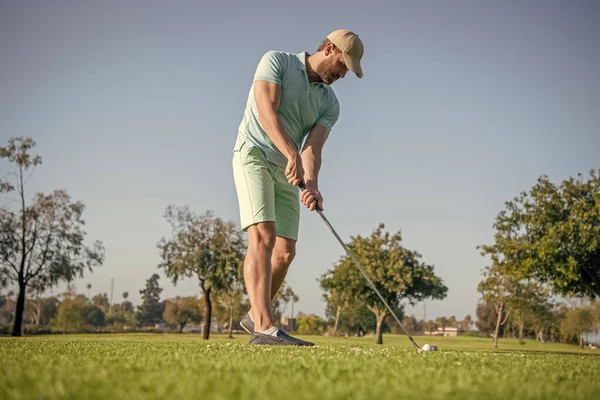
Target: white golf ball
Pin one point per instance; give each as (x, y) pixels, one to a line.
(428, 347)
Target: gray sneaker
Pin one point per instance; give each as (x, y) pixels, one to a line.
(247, 323)
(282, 339)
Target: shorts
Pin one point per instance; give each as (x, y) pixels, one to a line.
(264, 194)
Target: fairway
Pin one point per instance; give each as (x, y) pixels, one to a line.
(185, 367)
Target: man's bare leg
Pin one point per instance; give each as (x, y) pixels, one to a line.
(258, 274)
(282, 256)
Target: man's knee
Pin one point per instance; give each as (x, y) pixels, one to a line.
(261, 236)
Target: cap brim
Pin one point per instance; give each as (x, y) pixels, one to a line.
(353, 65)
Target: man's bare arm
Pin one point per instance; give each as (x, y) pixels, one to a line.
(267, 96)
(311, 160)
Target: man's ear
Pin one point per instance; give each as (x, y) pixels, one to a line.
(329, 48)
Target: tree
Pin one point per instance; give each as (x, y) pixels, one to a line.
(486, 318)
(442, 322)
(311, 325)
(430, 326)
(467, 323)
(397, 273)
(93, 315)
(40, 310)
(101, 301)
(41, 244)
(151, 310)
(181, 311)
(230, 306)
(204, 246)
(69, 316)
(527, 303)
(577, 321)
(552, 234)
(496, 288)
(336, 296)
(279, 303)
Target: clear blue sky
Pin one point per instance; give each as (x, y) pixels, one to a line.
(135, 106)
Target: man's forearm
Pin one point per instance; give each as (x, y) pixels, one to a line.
(311, 160)
(276, 132)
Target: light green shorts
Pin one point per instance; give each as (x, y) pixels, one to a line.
(264, 194)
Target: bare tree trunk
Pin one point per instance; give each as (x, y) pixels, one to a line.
(521, 326)
(181, 327)
(498, 320)
(230, 336)
(337, 319)
(207, 314)
(37, 315)
(17, 327)
(379, 336)
(581, 340)
(541, 337)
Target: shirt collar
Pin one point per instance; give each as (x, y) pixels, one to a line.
(302, 65)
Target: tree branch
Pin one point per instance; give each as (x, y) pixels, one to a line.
(27, 252)
(29, 276)
(506, 317)
(13, 266)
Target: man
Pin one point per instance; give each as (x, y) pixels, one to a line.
(290, 100)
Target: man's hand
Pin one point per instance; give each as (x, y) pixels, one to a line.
(294, 171)
(311, 197)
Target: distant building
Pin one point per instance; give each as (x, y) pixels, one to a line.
(449, 331)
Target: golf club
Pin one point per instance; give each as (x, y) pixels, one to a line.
(318, 209)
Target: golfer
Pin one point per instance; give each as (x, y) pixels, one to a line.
(290, 99)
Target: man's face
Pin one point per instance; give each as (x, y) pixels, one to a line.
(332, 67)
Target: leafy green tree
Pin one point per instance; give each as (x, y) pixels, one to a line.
(69, 316)
(411, 324)
(397, 273)
(42, 243)
(101, 301)
(204, 246)
(431, 326)
(443, 323)
(467, 323)
(526, 302)
(577, 322)
(182, 310)
(336, 297)
(357, 317)
(311, 325)
(497, 288)
(230, 306)
(486, 318)
(552, 233)
(93, 316)
(151, 310)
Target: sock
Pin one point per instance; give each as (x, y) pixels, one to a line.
(271, 331)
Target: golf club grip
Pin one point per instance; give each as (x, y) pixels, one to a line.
(303, 187)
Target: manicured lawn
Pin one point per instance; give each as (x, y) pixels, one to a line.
(186, 367)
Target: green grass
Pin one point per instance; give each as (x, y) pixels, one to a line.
(184, 367)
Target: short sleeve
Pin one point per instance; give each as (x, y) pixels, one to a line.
(330, 116)
(270, 68)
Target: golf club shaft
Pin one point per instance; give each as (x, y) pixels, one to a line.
(320, 212)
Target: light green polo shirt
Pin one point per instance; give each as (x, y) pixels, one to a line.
(302, 104)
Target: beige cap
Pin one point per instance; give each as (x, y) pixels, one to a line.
(350, 44)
